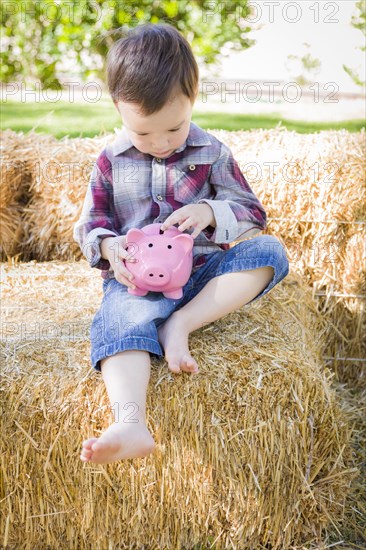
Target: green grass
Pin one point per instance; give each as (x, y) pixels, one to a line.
(88, 120)
(230, 121)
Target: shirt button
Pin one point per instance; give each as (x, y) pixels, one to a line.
(159, 197)
(192, 167)
(158, 160)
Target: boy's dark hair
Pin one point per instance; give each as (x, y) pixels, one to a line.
(145, 66)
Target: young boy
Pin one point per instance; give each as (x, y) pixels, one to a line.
(164, 168)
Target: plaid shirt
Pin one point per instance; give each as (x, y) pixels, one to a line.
(130, 189)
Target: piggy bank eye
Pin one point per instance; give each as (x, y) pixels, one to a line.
(150, 245)
(170, 246)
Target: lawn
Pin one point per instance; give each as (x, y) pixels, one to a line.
(88, 120)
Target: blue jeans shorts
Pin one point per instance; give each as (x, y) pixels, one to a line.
(126, 322)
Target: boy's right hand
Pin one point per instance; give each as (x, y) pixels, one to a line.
(114, 248)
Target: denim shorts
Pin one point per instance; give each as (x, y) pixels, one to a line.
(126, 322)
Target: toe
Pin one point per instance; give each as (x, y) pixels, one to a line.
(184, 366)
(87, 444)
(86, 453)
(96, 446)
(189, 364)
(174, 367)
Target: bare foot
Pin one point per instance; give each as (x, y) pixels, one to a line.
(173, 336)
(119, 441)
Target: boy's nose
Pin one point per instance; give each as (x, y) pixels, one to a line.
(161, 147)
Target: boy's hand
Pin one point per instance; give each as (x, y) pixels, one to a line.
(198, 216)
(115, 251)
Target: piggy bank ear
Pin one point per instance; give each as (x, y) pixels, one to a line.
(134, 235)
(184, 240)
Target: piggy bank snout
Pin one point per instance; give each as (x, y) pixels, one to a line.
(156, 275)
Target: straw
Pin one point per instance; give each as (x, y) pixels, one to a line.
(256, 451)
(312, 187)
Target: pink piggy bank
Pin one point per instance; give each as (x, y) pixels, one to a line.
(164, 260)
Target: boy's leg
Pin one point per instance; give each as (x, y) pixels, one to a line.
(220, 296)
(123, 334)
(227, 282)
(126, 376)
(224, 294)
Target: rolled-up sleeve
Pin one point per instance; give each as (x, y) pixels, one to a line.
(97, 219)
(238, 212)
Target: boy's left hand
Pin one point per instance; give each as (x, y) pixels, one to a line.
(198, 216)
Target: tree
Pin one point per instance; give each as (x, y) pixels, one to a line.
(43, 40)
(303, 68)
(359, 22)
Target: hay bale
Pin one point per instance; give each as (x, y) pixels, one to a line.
(354, 522)
(17, 151)
(312, 187)
(58, 191)
(253, 452)
(309, 177)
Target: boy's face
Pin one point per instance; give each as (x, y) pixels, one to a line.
(162, 132)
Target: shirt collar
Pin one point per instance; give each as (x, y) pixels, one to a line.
(196, 138)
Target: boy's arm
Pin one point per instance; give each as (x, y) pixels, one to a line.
(237, 211)
(97, 219)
